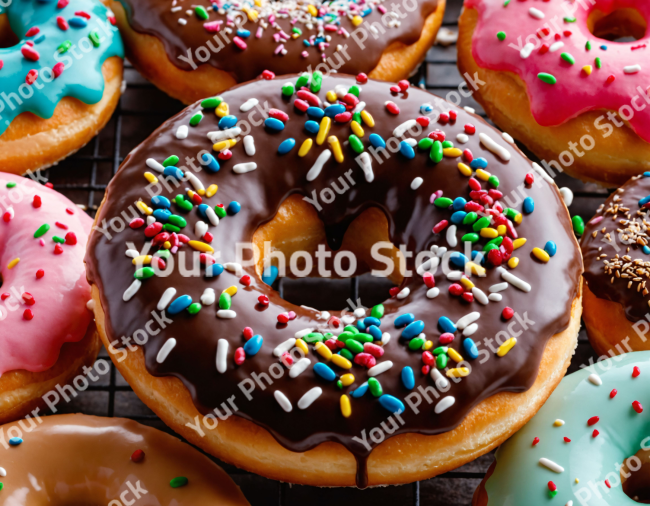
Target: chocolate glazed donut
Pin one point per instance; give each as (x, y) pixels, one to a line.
(428, 440)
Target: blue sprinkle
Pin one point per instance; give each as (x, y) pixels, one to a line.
(162, 215)
(359, 392)
(371, 320)
(404, 319)
(646, 174)
(365, 12)
(459, 204)
(174, 172)
(478, 256)
(406, 150)
(324, 371)
(408, 378)
(360, 325)
(39, 38)
(446, 325)
(550, 248)
(478, 163)
(253, 345)
(213, 270)
(234, 207)
(286, 146)
(179, 304)
(529, 205)
(15, 441)
(77, 22)
(646, 250)
(644, 201)
(333, 110)
(603, 47)
(202, 209)
(161, 202)
(413, 329)
(210, 162)
(391, 404)
(227, 122)
(458, 259)
(274, 124)
(312, 127)
(244, 33)
(316, 112)
(426, 108)
(270, 274)
(458, 217)
(377, 141)
(375, 332)
(306, 42)
(470, 348)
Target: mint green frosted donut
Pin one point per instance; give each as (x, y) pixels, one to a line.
(61, 52)
(519, 479)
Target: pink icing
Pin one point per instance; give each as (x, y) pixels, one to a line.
(59, 311)
(575, 92)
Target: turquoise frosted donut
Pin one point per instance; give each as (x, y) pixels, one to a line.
(571, 452)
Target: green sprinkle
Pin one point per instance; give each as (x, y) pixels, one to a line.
(375, 387)
(511, 213)
(588, 45)
(443, 202)
(494, 181)
(470, 218)
(354, 90)
(58, 239)
(416, 343)
(570, 19)
(288, 89)
(377, 311)
(316, 81)
(220, 211)
(506, 3)
(11, 184)
(552, 493)
(578, 225)
(344, 336)
(447, 144)
(547, 78)
(356, 117)
(144, 273)
(184, 204)
(42, 230)
(64, 47)
(346, 354)
(355, 143)
(201, 13)
(599, 63)
(225, 301)
(172, 160)
(211, 103)
(297, 30)
(196, 119)
(425, 143)
(436, 152)
(494, 243)
(163, 253)
(313, 337)
(94, 38)
(568, 58)
(471, 237)
(194, 308)
(363, 338)
(167, 227)
(440, 350)
(178, 221)
(181, 481)
(501, 36)
(481, 224)
(442, 360)
(354, 346)
(303, 80)
(351, 328)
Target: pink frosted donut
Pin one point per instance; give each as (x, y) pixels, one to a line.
(43, 296)
(555, 78)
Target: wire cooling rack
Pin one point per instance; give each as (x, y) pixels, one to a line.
(83, 178)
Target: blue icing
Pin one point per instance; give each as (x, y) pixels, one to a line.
(82, 77)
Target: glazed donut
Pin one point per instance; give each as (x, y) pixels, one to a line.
(615, 247)
(192, 52)
(59, 82)
(572, 450)
(81, 459)
(192, 362)
(47, 334)
(547, 74)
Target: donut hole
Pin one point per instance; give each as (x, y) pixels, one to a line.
(621, 25)
(7, 36)
(635, 476)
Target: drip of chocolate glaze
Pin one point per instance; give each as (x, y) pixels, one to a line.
(154, 17)
(545, 310)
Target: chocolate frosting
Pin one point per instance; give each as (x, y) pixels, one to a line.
(155, 17)
(600, 247)
(410, 216)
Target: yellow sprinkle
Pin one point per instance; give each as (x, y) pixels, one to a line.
(306, 146)
(501, 229)
(541, 255)
(231, 290)
(167, 245)
(144, 208)
(587, 69)
(201, 192)
(459, 372)
(312, 10)
(227, 144)
(506, 347)
(558, 423)
(302, 345)
(357, 20)
(452, 152)
(489, 232)
(464, 169)
(346, 407)
(150, 177)
(323, 350)
(191, 193)
(518, 243)
(357, 129)
(428, 344)
(325, 125)
(336, 148)
(252, 14)
(201, 246)
(13, 263)
(142, 260)
(341, 361)
(212, 189)
(454, 355)
(347, 379)
(222, 110)
(476, 269)
(331, 96)
(513, 262)
(577, 480)
(483, 175)
(258, 3)
(466, 283)
(367, 118)
(518, 218)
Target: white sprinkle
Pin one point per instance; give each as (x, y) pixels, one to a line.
(281, 348)
(195, 181)
(429, 265)
(455, 275)
(411, 142)
(249, 145)
(567, 196)
(542, 173)
(90, 305)
(404, 292)
(451, 236)
(166, 298)
(536, 13)
(416, 183)
(469, 109)
(226, 314)
(555, 46)
(507, 137)
(445, 404)
(200, 228)
(359, 312)
(432, 293)
(131, 290)
(222, 355)
(527, 50)
(480, 296)
(366, 165)
(466, 320)
(177, 8)
(632, 69)
(283, 401)
(307, 399)
(153, 164)
(318, 165)
(462, 138)
(495, 297)
(165, 350)
(401, 129)
(470, 330)
(347, 319)
(182, 132)
(208, 297)
(299, 367)
(303, 333)
(385, 338)
(341, 90)
(437, 377)
(220, 135)
(595, 379)
(233, 267)
(248, 105)
(379, 368)
(182, 21)
(556, 468)
(3, 473)
(570, 503)
(212, 216)
(151, 220)
(360, 106)
(514, 280)
(440, 252)
(496, 148)
(243, 168)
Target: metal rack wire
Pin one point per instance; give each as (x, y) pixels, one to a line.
(84, 177)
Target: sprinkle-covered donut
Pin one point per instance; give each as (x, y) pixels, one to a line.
(192, 51)
(44, 294)
(60, 83)
(587, 446)
(554, 81)
(80, 459)
(347, 164)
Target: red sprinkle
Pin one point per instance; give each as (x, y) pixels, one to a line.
(535, 441)
(552, 486)
(446, 338)
(440, 226)
(444, 118)
(62, 23)
(403, 85)
(277, 114)
(287, 359)
(239, 42)
(429, 280)
(437, 135)
(40, 273)
(6, 217)
(268, 75)
(593, 420)
(428, 358)
(32, 75)
(283, 318)
(468, 296)
(30, 53)
(62, 3)
(58, 249)
(423, 121)
(69, 211)
(248, 333)
(362, 78)
(392, 108)
(37, 202)
(394, 89)
(240, 356)
(32, 31)
(613, 393)
(608, 484)
(29, 299)
(544, 49)
(611, 79)
(529, 179)
(637, 407)
(507, 313)
(566, 439)
(5, 296)
(263, 299)
(595, 433)
(137, 456)
(453, 115)
(425, 369)
(456, 289)
(636, 372)
(226, 154)
(394, 291)
(468, 155)
(28, 314)
(208, 237)
(301, 105)
(245, 280)
(470, 129)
